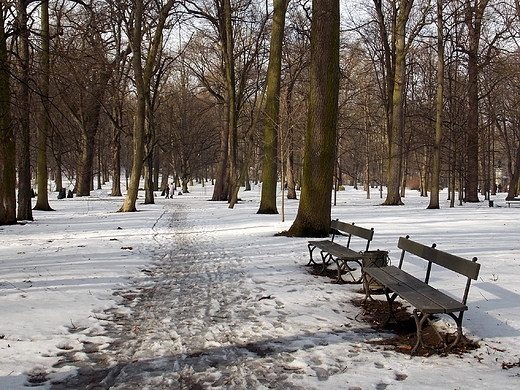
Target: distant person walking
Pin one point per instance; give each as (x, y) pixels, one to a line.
(172, 190)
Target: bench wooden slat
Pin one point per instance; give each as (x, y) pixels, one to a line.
(419, 294)
(405, 291)
(319, 244)
(448, 303)
(350, 228)
(337, 250)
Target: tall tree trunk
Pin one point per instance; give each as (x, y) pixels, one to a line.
(368, 150)
(395, 133)
(149, 153)
(289, 159)
(272, 111)
(7, 141)
(86, 167)
(89, 126)
(138, 154)
(229, 61)
(140, 112)
(42, 202)
(227, 172)
(439, 117)
(514, 171)
(289, 170)
(314, 210)
(388, 60)
(24, 134)
(148, 175)
(156, 168)
(473, 17)
(220, 190)
(116, 161)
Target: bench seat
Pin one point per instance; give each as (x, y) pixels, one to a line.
(337, 250)
(510, 201)
(419, 294)
(341, 255)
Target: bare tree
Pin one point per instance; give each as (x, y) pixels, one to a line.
(232, 77)
(395, 63)
(143, 75)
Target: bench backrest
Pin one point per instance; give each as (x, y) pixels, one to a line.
(454, 263)
(347, 229)
(465, 267)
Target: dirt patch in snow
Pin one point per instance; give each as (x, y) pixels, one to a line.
(375, 312)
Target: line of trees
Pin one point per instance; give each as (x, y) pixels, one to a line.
(422, 94)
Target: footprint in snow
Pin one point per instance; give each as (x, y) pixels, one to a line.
(321, 373)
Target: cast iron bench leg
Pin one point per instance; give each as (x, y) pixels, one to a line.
(311, 260)
(458, 321)
(343, 267)
(419, 322)
(390, 300)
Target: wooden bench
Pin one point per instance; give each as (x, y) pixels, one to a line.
(331, 250)
(425, 299)
(510, 201)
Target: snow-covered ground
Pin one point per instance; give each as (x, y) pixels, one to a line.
(190, 294)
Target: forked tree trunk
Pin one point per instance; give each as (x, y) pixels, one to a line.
(143, 76)
(395, 131)
(272, 111)
(226, 166)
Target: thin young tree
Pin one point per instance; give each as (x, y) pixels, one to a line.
(272, 111)
(314, 210)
